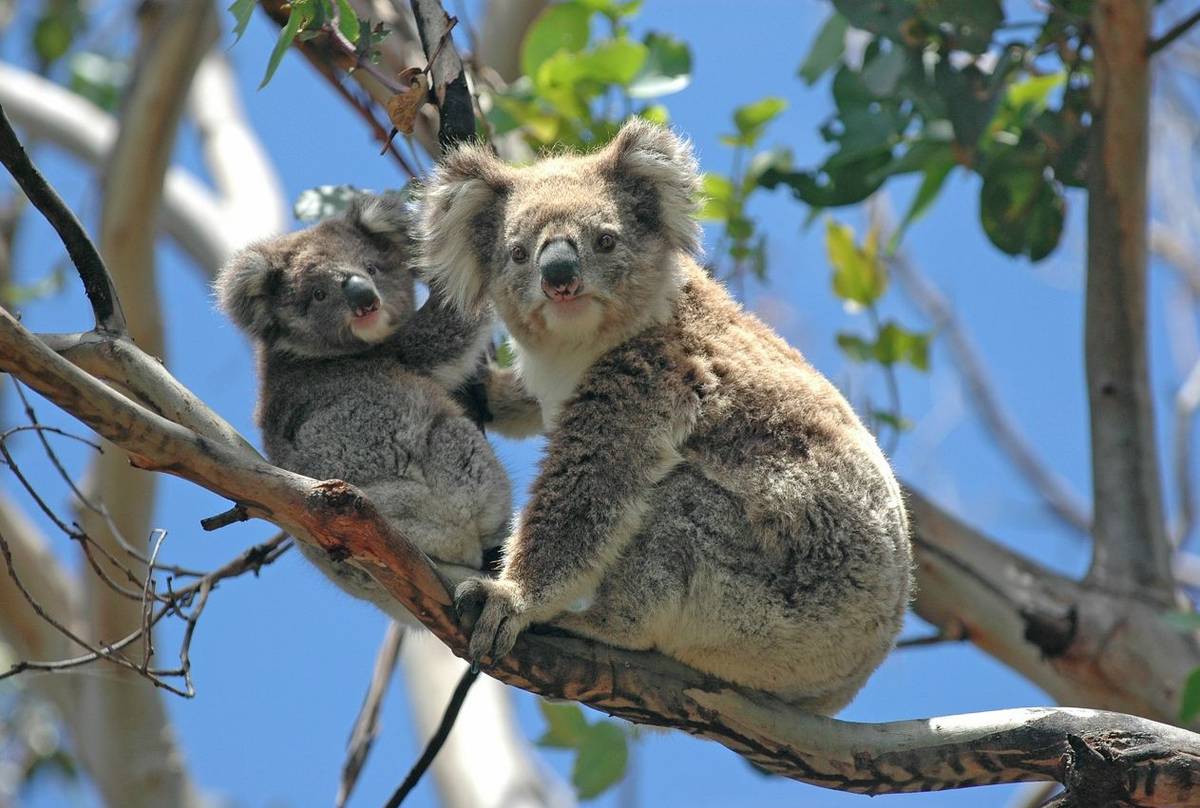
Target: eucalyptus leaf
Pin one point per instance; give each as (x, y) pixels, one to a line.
(826, 49)
(602, 759)
(566, 726)
(667, 68)
(562, 27)
(241, 10)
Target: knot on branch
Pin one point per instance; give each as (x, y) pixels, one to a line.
(1051, 633)
(336, 498)
(1095, 775)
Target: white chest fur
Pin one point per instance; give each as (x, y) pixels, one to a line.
(551, 376)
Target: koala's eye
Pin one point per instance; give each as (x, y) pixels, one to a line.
(318, 294)
(519, 254)
(605, 242)
(372, 269)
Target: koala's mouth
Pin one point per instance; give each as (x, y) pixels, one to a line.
(370, 323)
(365, 312)
(564, 293)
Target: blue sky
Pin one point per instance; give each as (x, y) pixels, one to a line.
(281, 662)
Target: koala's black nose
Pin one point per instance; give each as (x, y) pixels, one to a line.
(559, 264)
(360, 294)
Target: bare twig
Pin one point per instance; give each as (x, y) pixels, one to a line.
(439, 738)
(1173, 33)
(366, 725)
(84, 255)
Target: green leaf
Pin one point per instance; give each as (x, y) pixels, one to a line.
(52, 36)
(667, 69)
(1034, 92)
(897, 344)
(301, 11)
(971, 22)
(855, 347)
(1022, 211)
(896, 422)
(881, 75)
(778, 159)
(936, 172)
(826, 49)
(600, 764)
(858, 273)
(613, 9)
(241, 10)
(347, 21)
(718, 198)
(834, 185)
(14, 295)
(656, 113)
(562, 27)
(887, 18)
(98, 78)
(616, 61)
(324, 201)
(751, 119)
(566, 726)
(1189, 707)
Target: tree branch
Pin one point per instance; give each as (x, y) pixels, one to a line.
(449, 77)
(96, 281)
(1132, 553)
(1173, 33)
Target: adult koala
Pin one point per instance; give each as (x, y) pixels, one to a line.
(355, 384)
(705, 492)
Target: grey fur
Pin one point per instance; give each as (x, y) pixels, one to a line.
(373, 408)
(705, 492)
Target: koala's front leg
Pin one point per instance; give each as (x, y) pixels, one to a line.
(616, 438)
(442, 342)
(514, 412)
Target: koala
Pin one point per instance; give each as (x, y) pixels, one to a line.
(705, 492)
(355, 384)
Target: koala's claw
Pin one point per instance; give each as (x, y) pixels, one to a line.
(500, 616)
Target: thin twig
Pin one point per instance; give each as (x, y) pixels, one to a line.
(366, 725)
(1173, 33)
(97, 283)
(439, 737)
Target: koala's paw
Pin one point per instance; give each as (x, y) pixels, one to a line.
(500, 619)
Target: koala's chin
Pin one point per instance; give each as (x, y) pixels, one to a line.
(573, 320)
(375, 326)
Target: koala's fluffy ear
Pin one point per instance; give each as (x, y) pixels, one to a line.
(458, 222)
(384, 216)
(655, 155)
(246, 288)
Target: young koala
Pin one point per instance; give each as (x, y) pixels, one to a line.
(705, 492)
(356, 385)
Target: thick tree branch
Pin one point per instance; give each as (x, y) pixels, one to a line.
(1082, 645)
(501, 33)
(1132, 552)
